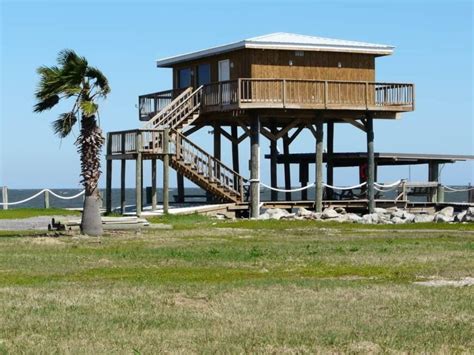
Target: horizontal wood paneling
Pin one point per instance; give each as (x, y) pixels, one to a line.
(313, 65)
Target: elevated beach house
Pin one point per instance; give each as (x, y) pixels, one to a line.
(274, 85)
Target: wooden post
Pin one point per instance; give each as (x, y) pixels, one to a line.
(235, 153)
(108, 187)
(286, 152)
(153, 184)
(166, 167)
(319, 167)
(46, 199)
(329, 159)
(255, 166)
(440, 193)
(273, 166)
(180, 186)
(235, 148)
(304, 178)
(138, 175)
(108, 181)
(433, 175)
(217, 155)
(370, 164)
(122, 185)
(5, 197)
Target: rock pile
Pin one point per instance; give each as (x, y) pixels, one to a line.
(392, 215)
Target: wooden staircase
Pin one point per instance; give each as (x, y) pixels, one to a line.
(189, 159)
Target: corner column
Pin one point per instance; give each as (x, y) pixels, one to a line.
(370, 164)
(166, 168)
(153, 184)
(318, 203)
(273, 166)
(329, 159)
(138, 175)
(255, 166)
(108, 183)
(286, 152)
(122, 185)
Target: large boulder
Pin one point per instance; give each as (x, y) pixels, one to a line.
(277, 213)
(423, 218)
(398, 220)
(447, 211)
(352, 217)
(329, 213)
(371, 218)
(303, 212)
(396, 212)
(469, 216)
(439, 217)
(460, 216)
(408, 217)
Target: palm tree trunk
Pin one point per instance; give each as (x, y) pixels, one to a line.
(89, 145)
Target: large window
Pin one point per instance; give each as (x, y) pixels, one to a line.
(184, 78)
(203, 74)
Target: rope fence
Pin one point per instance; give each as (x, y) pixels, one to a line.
(46, 193)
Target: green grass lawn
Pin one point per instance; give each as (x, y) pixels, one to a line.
(16, 213)
(232, 287)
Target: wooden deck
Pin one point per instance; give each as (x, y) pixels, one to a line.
(289, 94)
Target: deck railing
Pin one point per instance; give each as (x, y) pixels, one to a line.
(135, 141)
(292, 93)
(150, 104)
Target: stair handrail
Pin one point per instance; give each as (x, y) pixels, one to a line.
(237, 176)
(164, 111)
(179, 102)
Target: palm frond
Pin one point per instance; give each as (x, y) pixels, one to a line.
(100, 80)
(46, 104)
(51, 82)
(88, 108)
(63, 125)
(73, 66)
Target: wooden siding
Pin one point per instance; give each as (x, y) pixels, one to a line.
(312, 65)
(257, 63)
(240, 66)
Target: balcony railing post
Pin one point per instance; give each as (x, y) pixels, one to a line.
(366, 95)
(239, 93)
(326, 92)
(283, 94)
(123, 143)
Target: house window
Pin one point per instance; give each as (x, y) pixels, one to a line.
(184, 78)
(203, 74)
(299, 54)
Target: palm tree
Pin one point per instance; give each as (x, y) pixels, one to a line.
(75, 81)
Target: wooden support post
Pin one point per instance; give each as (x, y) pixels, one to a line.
(235, 148)
(304, 178)
(329, 159)
(46, 199)
(217, 155)
(153, 184)
(180, 185)
(138, 175)
(273, 165)
(433, 175)
(122, 185)
(108, 187)
(255, 166)
(286, 152)
(318, 203)
(166, 168)
(370, 164)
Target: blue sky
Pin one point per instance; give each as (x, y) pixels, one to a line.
(433, 40)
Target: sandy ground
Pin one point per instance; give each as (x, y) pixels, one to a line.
(33, 223)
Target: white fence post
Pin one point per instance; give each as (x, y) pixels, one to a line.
(5, 197)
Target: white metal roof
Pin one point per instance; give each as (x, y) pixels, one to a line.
(285, 41)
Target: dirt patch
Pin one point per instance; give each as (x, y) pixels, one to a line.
(466, 281)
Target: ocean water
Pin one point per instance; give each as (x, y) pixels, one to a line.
(198, 197)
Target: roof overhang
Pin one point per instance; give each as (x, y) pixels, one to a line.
(323, 45)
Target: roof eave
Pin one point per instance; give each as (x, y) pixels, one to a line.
(170, 61)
